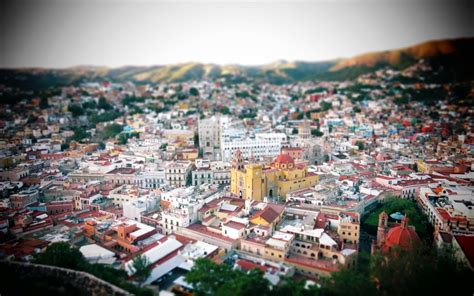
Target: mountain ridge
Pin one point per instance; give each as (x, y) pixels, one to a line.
(450, 54)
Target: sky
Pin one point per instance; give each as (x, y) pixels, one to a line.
(65, 33)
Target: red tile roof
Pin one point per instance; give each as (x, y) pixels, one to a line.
(249, 265)
(203, 230)
(466, 242)
(235, 225)
(313, 263)
(270, 213)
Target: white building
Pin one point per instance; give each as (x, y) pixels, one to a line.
(209, 131)
(181, 207)
(261, 145)
(151, 179)
(448, 208)
(135, 208)
(178, 173)
(217, 173)
(97, 254)
(123, 194)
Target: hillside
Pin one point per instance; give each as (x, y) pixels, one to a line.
(451, 56)
(447, 56)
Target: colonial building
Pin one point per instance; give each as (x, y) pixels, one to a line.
(256, 181)
(400, 236)
(178, 173)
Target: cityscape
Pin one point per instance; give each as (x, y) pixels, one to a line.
(343, 176)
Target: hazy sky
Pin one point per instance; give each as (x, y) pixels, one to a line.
(62, 33)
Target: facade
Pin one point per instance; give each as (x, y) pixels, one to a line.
(349, 227)
(151, 179)
(209, 131)
(178, 173)
(262, 145)
(202, 176)
(134, 209)
(217, 173)
(256, 181)
(121, 195)
(23, 199)
(304, 130)
(181, 207)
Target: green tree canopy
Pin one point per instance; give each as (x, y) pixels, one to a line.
(224, 110)
(193, 91)
(103, 104)
(317, 133)
(141, 268)
(76, 110)
(63, 255)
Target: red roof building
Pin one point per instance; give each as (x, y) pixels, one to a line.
(400, 236)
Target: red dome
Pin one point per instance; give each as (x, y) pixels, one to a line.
(401, 236)
(284, 158)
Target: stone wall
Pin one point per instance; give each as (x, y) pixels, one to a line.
(25, 278)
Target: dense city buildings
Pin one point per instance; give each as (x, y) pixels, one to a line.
(295, 179)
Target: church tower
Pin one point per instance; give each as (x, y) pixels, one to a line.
(304, 130)
(383, 223)
(238, 161)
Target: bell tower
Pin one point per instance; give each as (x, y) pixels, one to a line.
(383, 222)
(238, 161)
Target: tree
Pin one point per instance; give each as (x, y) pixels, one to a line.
(360, 145)
(325, 106)
(76, 110)
(209, 278)
(89, 105)
(61, 254)
(415, 272)
(112, 130)
(44, 103)
(196, 140)
(317, 133)
(294, 131)
(122, 139)
(103, 104)
(104, 117)
(193, 91)
(290, 287)
(225, 110)
(141, 268)
(80, 134)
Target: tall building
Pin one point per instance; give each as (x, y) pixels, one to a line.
(209, 131)
(304, 130)
(256, 181)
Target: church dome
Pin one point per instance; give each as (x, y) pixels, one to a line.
(284, 161)
(401, 236)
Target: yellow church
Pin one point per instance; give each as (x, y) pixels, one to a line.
(256, 181)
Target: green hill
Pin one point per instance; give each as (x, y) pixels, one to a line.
(449, 58)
